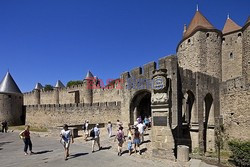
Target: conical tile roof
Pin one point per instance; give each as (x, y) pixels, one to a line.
(38, 86)
(59, 84)
(198, 22)
(89, 75)
(8, 85)
(230, 26)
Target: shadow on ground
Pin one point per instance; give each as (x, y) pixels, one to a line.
(5, 142)
(43, 152)
(147, 141)
(77, 155)
(106, 148)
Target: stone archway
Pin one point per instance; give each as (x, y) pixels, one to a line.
(208, 114)
(188, 110)
(140, 105)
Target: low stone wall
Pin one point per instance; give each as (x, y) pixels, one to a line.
(236, 113)
(72, 114)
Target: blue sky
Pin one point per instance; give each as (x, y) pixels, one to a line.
(46, 40)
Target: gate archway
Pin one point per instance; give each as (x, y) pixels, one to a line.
(140, 105)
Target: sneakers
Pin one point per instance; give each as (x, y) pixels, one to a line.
(25, 153)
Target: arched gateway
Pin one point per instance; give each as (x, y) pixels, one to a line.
(140, 105)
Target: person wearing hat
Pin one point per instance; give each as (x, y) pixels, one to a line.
(96, 138)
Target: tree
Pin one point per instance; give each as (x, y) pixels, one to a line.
(72, 83)
(48, 87)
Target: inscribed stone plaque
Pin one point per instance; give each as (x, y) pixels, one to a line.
(160, 120)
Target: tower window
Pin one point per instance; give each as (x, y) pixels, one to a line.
(231, 56)
(239, 35)
(223, 39)
(207, 35)
(189, 40)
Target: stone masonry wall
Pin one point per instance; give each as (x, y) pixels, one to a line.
(236, 113)
(201, 53)
(246, 53)
(11, 109)
(232, 56)
(72, 114)
(67, 95)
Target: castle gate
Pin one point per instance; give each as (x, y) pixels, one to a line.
(140, 105)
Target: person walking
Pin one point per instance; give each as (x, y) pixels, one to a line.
(136, 140)
(25, 135)
(109, 128)
(86, 130)
(118, 124)
(66, 137)
(4, 126)
(141, 129)
(130, 145)
(130, 132)
(95, 134)
(120, 138)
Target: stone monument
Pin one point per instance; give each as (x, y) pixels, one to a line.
(162, 138)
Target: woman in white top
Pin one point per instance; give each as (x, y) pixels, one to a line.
(66, 137)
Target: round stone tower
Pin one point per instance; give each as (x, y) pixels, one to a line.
(37, 92)
(88, 83)
(11, 102)
(246, 50)
(200, 48)
(231, 50)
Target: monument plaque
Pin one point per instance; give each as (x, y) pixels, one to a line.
(160, 121)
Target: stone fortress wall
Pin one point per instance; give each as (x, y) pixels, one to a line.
(52, 115)
(209, 78)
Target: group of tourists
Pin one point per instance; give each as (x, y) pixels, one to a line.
(134, 136)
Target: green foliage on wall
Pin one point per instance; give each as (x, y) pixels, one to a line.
(241, 152)
(48, 87)
(72, 83)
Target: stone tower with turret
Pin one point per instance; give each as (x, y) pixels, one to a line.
(11, 102)
(200, 48)
(231, 50)
(88, 84)
(246, 51)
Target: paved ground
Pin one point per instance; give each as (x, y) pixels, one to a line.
(49, 152)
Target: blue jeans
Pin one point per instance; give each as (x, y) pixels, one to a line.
(27, 143)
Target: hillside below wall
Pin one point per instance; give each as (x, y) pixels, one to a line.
(236, 112)
(72, 114)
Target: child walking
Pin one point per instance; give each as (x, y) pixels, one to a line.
(130, 143)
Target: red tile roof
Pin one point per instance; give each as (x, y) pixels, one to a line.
(230, 26)
(198, 22)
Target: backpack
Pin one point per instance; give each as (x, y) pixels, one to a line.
(92, 133)
(84, 127)
(119, 136)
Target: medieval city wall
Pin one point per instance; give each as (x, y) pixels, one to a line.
(235, 98)
(139, 80)
(246, 52)
(11, 109)
(72, 114)
(67, 95)
(232, 56)
(201, 52)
